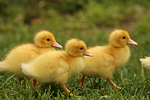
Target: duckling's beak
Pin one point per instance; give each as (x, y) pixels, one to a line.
(56, 45)
(87, 53)
(131, 42)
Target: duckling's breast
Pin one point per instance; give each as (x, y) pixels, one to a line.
(77, 65)
(121, 56)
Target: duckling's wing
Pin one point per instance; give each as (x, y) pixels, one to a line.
(108, 60)
(63, 66)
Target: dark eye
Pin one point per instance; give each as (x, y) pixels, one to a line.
(124, 37)
(48, 39)
(81, 48)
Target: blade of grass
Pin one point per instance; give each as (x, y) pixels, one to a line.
(134, 66)
(142, 69)
(11, 78)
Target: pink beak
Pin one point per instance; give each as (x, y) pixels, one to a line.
(56, 45)
(131, 42)
(87, 53)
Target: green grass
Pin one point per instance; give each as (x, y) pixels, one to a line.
(93, 24)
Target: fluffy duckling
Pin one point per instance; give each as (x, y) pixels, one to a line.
(146, 62)
(106, 59)
(58, 66)
(44, 41)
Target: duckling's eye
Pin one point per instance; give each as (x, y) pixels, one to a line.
(48, 39)
(124, 37)
(81, 48)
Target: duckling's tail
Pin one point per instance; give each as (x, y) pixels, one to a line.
(24, 67)
(146, 62)
(3, 67)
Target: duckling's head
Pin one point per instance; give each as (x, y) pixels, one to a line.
(76, 47)
(120, 38)
(46, 39)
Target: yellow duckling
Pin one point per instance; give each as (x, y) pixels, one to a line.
(106, 59)
(44, 41)
(146, 62)
(58, 66)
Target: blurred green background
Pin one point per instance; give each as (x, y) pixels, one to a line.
(92, 20)
(89, 20)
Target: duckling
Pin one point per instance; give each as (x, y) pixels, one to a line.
(44, 42)
(146, 62)
(108, 58)
(58, 66)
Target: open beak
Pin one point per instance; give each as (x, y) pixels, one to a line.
(56, 45)
(87, 53)
(131, 42)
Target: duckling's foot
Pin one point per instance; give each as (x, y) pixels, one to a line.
(72, 95)
(20, 79)
(38, 88)
(113, 84)
(81, 84)
(34, 85)
(118, 87)
(65, 88)
(28, 78)
(82, 80)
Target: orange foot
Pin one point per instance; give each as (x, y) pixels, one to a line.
(34, 84)
(113, 84)
(82, 80)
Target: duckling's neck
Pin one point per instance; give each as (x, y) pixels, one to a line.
(119, 50)
(43, 49)
(116, 46)
(40, 46)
